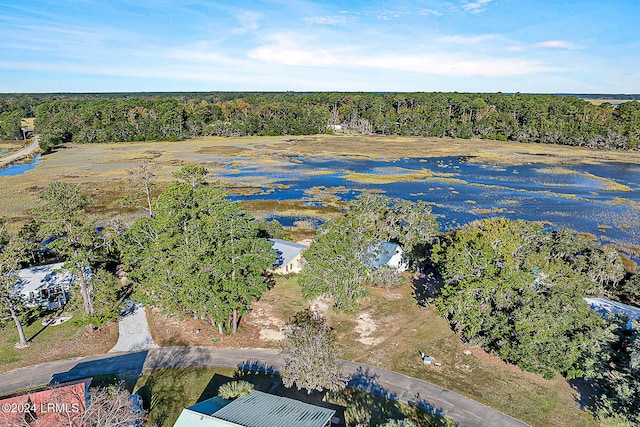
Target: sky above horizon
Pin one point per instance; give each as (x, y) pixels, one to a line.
(544, 46)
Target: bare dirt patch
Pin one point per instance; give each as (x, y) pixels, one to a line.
(173, 331)
(366, 327)
(271, 326)
(320, 306)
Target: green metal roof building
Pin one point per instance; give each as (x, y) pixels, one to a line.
(255, 410)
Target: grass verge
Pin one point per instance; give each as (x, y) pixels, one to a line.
(50, 343)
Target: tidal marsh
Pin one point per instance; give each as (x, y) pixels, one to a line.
(463, 179)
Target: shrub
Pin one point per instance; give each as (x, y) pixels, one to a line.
(234, 389)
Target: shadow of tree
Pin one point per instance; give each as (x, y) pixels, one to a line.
(368, 402)
(249, 367)
(367, 381)
(211, 389)
(426, 286)
(418, 402)
(30, 316)
(129, 362)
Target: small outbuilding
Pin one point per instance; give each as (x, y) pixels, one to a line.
(288, 256)
(387, 253)
(47, 286)
(258, 409)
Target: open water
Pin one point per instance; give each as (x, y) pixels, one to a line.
(601, 199)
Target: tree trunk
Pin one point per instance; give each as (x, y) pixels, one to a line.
(235, 322)
(220, 328)
(84, 291)
(147, 191)
(14, 316)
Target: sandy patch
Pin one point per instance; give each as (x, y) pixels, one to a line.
(320, 306)
(270, 327)
(271, 335)
(366, 327)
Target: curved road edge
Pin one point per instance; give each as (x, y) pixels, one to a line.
(464, 411)
(19, 154)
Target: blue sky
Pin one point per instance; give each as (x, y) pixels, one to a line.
(545, 46)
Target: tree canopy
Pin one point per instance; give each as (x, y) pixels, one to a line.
(72, 233)
(199, 254)
(338, 260)
(13, 252)
(550, 119)
(309, 352)
(518, 291)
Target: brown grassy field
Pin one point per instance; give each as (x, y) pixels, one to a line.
(610, 101)
(9, 147)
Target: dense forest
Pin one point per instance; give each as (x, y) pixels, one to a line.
(550, 119)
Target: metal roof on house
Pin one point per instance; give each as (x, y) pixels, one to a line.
(41, 277)
(381, 253)
(285, 251)
(606, 306)
(189, 418)
(209, 406)
(266, 410)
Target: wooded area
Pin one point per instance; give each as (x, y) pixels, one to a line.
(550, 119)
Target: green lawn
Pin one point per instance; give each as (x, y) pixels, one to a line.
(51, 342)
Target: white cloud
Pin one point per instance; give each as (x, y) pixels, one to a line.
(248, 20)
(287, 50)
(550, 44)
(555, 44)
(476, 6)
(464, 39)
(430, 12)
(284, 49)
(326, 20)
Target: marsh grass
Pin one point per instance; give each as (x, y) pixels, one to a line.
(622, 201)
(290, 208)
(8, 147)
(486, 211)
(97, 163)
(609, 184)
(391, 175)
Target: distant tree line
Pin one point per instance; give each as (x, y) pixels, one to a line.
(549, 119)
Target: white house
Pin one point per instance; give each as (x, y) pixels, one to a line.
(607, 307)
(47, 286)
(288, 256)
(387, 253)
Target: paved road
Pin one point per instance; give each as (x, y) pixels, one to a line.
(463, 411)
(26, 150)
